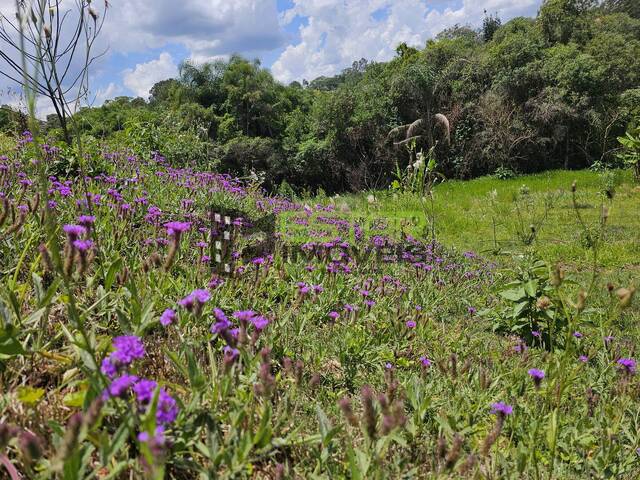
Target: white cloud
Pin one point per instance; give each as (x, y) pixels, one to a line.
(333, 33)
(103, 94)
(207, 28)
(140, 79)
(337, 32)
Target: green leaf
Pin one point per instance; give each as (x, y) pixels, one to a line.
(35, 316)
(9, 345)
(531, 287)
(514, 294)
(75, 399)
(29, 395)
(519, 308)
(264, 433)
(111, 274)
(323, 421)
(552, 430)
(50, 293)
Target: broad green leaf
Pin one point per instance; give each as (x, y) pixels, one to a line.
(111, 274)
(9, 345)
(514, 294)
(29, 395)
(75, 399)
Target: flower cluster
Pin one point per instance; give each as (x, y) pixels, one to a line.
(116, 366)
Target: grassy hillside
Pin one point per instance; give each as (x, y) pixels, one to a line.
(482, 214)
(354, 348)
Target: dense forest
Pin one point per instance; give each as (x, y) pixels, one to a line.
(527, 95)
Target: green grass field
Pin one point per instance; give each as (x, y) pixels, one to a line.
(465, 212)
(374, 355)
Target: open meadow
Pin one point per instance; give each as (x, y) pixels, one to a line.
(325, 240)
(352, 346)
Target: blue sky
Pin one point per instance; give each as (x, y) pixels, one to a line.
(296, 39)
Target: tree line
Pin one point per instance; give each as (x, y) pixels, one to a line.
(555, 91)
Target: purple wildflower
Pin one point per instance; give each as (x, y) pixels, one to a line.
(121, 385)
(220, 315)
(157, 439)
(231, 353)
(260, 322)
(74, 231)
(195, 300)
(167, 408)
(425, 362)
(501, 408)
(108, 368)
(175, 229)
(628, 365)
(127, 349)
(244, 315)
(167, 317)
(86, 220)
(537, 376)
(144, 390)
(83, 245)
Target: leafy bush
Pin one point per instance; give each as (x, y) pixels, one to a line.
(631, 152)
(504, 173)
(533, 311)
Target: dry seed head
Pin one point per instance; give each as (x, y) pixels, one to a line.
(468, 465)
(299, 371)
(315, 381)
(345, 406)
(466, 366)
(173, 250)
(388, 424)
(490, 439)
(71, 436)
(441, 447)
(582, 300)
(46, 258)
(30, 446)
(592, 401)
(625, 295)
(557, 276)
(369, 413)
(287, 365)
(93, 414)
(7, 432)
(454, 365)
(543, 303)
(18, 224)
(6, 208)
(35, 203)
(454, 454)
(484, 379)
